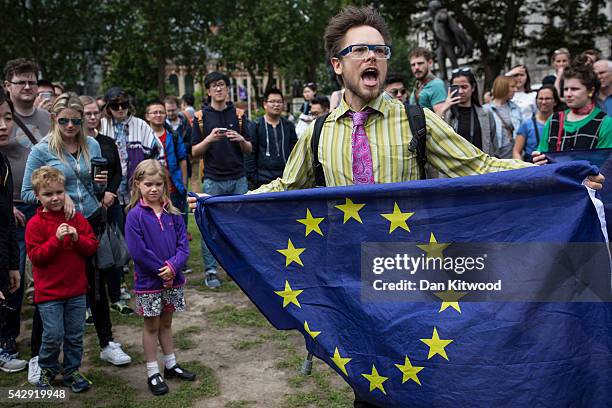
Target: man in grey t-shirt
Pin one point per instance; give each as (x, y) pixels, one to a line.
(20, 80)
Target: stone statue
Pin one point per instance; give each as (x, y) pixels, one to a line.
(453, 41)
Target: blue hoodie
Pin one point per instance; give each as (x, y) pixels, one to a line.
(175, 152)
(153, 243)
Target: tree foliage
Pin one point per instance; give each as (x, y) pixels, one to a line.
(63, 36)
(133, 41)
(573, 24)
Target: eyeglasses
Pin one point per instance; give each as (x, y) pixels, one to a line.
(461, 70)
(157, 113)
(119, 105)
(75, 121)
(361, 51)
(396, 91)
(275, 102)
(22, 84)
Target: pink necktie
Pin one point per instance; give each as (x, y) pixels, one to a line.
(363, 172)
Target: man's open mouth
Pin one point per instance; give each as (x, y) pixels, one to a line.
(370, 77)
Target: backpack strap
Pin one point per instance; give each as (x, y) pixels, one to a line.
(418, 144)
(25, 129)
(314, 146)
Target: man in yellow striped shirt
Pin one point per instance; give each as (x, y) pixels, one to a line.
(357, 40)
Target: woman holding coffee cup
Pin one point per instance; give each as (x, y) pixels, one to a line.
(68, 148)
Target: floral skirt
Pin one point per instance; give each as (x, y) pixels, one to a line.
(153, 304)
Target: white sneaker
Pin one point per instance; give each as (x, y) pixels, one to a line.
(115, 355)
(9, 364)
(33, 371)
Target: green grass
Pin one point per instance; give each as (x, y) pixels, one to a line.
(183, 340)
(247, 344)
(107, 390)
(232, 316)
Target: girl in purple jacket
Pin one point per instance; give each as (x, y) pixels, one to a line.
(156, 238)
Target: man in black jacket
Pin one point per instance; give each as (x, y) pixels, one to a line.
(272, 139)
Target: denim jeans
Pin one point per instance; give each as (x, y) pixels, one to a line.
(213, 187)
(63, 321)
(15, 299)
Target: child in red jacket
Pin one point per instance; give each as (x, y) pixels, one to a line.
(58, 249)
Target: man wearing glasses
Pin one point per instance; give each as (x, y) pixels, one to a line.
(272, 138)
(358, 42)
(21, 83)
(219, 135)
(395, 88)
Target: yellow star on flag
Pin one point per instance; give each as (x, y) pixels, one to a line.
(289, 295)
(436, 345)
(313, 334)
(350, 210)
(409, 371)
(397, 218)
(376, 380)
(341, 362)
(450, 299)
(292, 254)
(433, 249)
(311, 223)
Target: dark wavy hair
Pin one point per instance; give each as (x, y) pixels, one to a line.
(582, 71)
(472, 79)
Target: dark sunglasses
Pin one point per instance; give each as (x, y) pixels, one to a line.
(75, 121)
(119, 105)
(395, 91)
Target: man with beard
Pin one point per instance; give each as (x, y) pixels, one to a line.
(357, 41)
(429, 91)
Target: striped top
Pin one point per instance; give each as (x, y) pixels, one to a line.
(389, 136)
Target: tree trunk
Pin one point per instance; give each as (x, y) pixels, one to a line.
(161, 76)
(254, 85)
(270, 68)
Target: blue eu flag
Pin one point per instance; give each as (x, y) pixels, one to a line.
(305, 260)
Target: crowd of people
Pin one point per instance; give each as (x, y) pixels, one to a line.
(74, 167)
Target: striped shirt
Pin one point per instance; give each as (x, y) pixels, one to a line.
(389, 136)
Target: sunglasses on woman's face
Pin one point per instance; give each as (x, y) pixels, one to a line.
(396, 91)
(119, 105)
(75, 121)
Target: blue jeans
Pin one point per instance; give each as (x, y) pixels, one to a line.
(213, 187)
(63, 321)
(14, 300)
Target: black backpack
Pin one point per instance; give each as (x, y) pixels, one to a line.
(416, 120)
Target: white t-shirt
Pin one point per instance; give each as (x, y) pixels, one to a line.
(527, 103)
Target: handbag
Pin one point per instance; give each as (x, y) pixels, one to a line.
(121, 254)
(112, 251)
